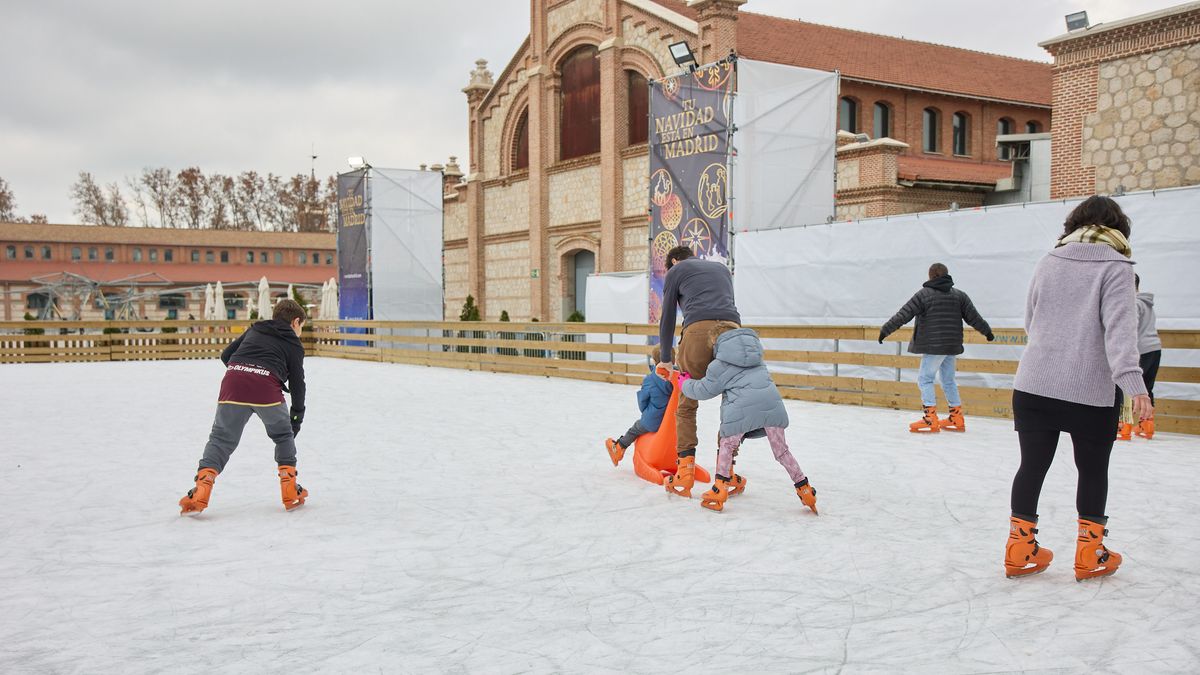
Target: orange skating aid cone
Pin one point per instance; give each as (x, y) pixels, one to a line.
(654, 453)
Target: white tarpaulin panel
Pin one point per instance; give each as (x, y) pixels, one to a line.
(862, 272)
(618, 298)
(785, 145)
(406, 245)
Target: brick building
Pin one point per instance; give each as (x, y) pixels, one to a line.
(557, 179)
(1127, 104)
(163, 267)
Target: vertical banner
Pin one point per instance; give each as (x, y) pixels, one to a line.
(689, 168)
(354, 301)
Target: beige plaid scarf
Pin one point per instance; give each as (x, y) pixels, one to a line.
(1098, 234)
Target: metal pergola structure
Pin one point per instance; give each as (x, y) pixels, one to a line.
(68, 293)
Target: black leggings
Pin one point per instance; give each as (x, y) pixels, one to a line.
(1037, 452)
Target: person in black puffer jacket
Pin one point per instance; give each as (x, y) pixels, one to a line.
(940, 310)
(258, 364)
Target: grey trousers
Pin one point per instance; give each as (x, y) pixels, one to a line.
(630, 436)
(227, 432)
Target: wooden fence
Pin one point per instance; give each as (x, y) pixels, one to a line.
(562, 350)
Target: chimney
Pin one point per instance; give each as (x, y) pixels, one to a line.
(718, 27)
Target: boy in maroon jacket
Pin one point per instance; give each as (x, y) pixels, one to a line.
(257, 365)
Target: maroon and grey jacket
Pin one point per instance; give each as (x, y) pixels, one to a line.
(260, 362)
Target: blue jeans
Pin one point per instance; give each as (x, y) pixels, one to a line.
(933, 366)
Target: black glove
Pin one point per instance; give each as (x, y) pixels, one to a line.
(297, 420)
(991, 337)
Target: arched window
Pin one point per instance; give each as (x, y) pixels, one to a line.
(520, 151)
(961, 130)
(579, 128)
(1004, 126)
(10, 252)
(639, 108)
(931, 124)
(848, 115)
(1033, 127)
(883, 120)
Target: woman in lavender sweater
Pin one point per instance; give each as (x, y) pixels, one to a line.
(1082, 354)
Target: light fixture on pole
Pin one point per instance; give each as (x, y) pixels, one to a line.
(1077, 20)
(358, 163)
(682, 53)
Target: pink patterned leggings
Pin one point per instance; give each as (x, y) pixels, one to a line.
(729, 446)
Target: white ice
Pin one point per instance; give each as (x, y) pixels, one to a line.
(471, 522)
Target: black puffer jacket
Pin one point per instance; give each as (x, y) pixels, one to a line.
(274, 346)
(940, 310)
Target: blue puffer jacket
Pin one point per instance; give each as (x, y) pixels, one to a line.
(750, 400)
(653, 398)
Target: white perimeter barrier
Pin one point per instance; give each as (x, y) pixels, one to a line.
(862, 272)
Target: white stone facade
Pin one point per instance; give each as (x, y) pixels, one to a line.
(636, 172)
(508, 208)
(566, 15)
(507, 270)
(575, 196)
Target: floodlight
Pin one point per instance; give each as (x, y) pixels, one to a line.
(1077, 20)
(682, 53)
(357, 163)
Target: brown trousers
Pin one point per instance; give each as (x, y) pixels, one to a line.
(693, 354)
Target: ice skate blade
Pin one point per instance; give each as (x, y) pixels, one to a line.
(714, 506)
(924, 430)
(1095, 575)
(1025, 572)
(191, 514)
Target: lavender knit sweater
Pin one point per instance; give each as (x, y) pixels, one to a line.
(1082, 325)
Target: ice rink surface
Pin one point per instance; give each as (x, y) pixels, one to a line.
(471, 522)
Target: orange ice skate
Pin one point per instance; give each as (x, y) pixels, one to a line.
(808, 495)
(196, 499)
(1145, 428)
(1092, 557)
(615, 452)
(685, 477)
(714, 498)
(1023, 555)
(955, 421)
(292, 492)
(927, 424)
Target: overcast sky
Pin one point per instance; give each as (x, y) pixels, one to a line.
(229, 85)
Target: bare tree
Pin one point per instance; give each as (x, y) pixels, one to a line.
(250, 189)
(275, 204)
(8, 203)
(39, 218)
(330, 202)
(138, 197)
(115, 206)
(90, 204)
(161, 192)
(216, 197)
(192, 200)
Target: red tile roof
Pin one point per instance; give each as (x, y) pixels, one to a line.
(952, 170)
(888, 60)
(94, 234)
(176, 273)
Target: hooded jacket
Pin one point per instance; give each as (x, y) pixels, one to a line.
(273, 346)
(1148, 340)
(940, 310)
(750, 402)
(653, 398)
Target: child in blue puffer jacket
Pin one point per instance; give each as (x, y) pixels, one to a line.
(652, 398)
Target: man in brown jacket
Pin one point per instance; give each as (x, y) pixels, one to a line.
(704, 290)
